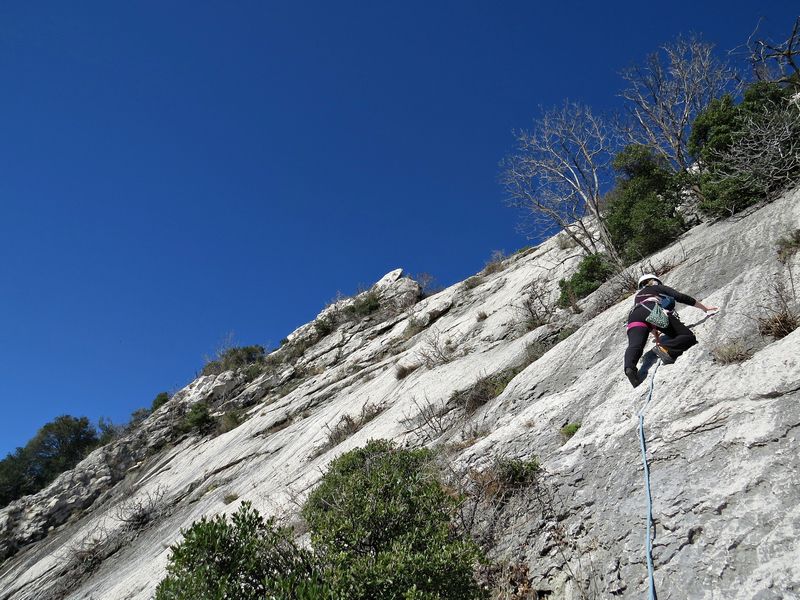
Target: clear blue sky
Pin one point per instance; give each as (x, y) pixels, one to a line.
(173, 171)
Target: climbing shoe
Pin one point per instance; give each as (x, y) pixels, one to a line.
(633, 376)
(663, 354)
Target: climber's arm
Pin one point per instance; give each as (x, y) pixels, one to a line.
(704, 307)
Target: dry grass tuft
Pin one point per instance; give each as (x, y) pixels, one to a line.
(348, 425)
(788, 245)
(496, 263)
(403, 371)
(414, 326)
(731, 352)
(437, 350)
(473, 281)
(778, 319)
(484, 389)
(536, 308)
(565, 242)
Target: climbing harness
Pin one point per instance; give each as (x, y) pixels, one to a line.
(649, 541)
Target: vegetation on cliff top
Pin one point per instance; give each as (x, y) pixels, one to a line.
(693, 135)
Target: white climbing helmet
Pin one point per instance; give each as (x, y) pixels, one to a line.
(648, 277)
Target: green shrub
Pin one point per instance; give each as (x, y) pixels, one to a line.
(745, 149)
(515, 474)
(364, 305)
(641, 213)
(592, 271)
(713, 129)
(198, 418)
(324, 326)
(159, 401)
(137, 416)
(536, 349)
(570, 429)
(381, 529)
(382, 521)
(234, 358)
(58, 446)
(108, 431)
(717, 128)
(726, 197)
(245, 558)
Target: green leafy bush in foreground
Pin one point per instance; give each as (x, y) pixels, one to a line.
(245, 558)
(380, 530)
(381, 520)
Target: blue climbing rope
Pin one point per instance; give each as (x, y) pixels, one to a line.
(649, 540)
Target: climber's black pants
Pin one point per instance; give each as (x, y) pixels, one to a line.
(679, 337)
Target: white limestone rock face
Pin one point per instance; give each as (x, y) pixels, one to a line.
(722, 440)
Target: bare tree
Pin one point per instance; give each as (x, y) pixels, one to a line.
(669, 90)
(136, 512)
(430, 421)
(436, 350)
(536, 307)
(557, 173)
(776, 62)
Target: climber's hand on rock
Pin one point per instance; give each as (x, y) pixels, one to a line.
(706, 309)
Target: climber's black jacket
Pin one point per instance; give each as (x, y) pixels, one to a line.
(657, 291)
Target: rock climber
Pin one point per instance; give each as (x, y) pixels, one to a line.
(677, 337)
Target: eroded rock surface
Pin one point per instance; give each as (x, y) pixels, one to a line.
(722, 438)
